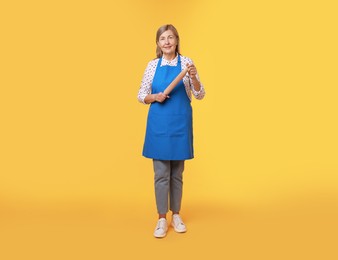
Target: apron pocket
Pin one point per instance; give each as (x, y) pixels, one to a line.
(157, 124)
(178, 125)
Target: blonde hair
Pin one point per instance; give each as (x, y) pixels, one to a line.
(161, 30)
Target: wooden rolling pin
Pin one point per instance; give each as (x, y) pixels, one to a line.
(173, 84)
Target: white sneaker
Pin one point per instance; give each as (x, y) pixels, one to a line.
(178, 224)
(161, 228)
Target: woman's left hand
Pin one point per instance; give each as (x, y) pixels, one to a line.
(192, 70)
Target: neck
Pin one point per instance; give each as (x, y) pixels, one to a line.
(169, 57)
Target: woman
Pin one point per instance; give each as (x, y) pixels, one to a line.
(169, 135)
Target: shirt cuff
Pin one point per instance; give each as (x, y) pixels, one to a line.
(198, 94)
(141, 99)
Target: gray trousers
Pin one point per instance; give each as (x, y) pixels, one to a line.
(168, 184)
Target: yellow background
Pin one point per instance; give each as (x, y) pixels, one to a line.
(73, 183)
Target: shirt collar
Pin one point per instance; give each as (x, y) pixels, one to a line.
(169, 63)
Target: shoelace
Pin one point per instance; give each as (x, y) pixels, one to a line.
(161, 224)
(178, 220)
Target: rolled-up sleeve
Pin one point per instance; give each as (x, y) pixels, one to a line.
(147, 80)
(197, 94)
(188, 82)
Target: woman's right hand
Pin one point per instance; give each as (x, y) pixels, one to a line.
(160, 97)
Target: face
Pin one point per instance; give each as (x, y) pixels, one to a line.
(167, 42)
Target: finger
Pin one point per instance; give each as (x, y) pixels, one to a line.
(163, 96)
(188, 66)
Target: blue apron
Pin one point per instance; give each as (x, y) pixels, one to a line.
(169, 134)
